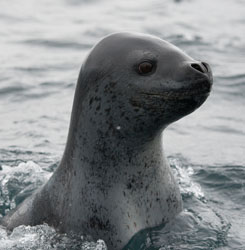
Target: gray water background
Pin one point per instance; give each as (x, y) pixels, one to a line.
(42, 46)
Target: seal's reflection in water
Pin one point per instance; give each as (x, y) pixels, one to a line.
(114, 180)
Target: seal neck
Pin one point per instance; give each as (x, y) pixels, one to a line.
(91, 146)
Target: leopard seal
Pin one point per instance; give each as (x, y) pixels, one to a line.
(114, 179)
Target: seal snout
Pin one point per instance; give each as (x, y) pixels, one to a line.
(204, 72)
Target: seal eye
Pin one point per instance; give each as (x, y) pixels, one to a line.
(145, 68)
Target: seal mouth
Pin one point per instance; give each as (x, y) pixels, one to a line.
(203, 89)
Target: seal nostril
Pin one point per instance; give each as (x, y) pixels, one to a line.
(206, 66)
(197, 67)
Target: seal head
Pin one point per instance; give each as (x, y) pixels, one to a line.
(143, 103)
(113, 179)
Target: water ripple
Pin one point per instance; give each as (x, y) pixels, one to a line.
(57, 44)
(11, 90)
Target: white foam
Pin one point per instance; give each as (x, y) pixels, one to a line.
(44, 237)
(183, 175)
(25, 171)
(20, 181)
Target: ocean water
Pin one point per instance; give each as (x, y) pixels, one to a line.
(43, 44)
